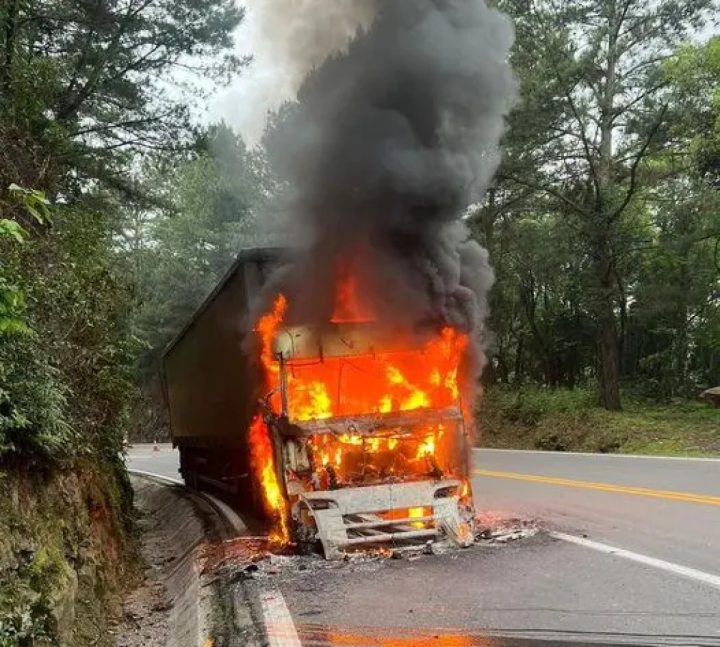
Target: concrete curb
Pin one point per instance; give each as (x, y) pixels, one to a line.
(201, 607)
(182, 524)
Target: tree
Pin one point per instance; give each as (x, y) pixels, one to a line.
(694, 78)
(212, 201)
(678, 300)
(602, 100)
(85, 89)
(84, 85)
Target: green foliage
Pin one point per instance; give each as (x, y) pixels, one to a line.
(528, 405)
(694, 75)
(12, 305)
(11, 229)
(66, 383)
(82, 94)
(65, 360)
(82, 87)
(33, 201)
(211, 203)
(603, 223)
(12, 299)
(569, 420)
(33, 403)
(83, 98)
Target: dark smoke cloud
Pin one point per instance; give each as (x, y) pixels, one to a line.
(388, 144)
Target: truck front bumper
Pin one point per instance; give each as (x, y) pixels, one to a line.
(380, 514)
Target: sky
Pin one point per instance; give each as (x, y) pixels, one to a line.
(286, 38)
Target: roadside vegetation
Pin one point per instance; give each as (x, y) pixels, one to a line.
(563, 419)
(82, 107)
(603, 226)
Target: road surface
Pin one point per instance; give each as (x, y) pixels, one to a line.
(632, 554)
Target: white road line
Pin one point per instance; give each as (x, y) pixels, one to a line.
(596, 455)
(159, 477)
(279, 625)
(671, 567)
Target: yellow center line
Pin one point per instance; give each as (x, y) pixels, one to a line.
(690, 497)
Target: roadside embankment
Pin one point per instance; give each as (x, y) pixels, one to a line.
(570, 420)
(66, 553)
(180, 601)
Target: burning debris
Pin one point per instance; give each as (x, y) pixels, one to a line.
(371, 342)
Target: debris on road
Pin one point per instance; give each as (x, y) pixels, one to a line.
(506, 531)
(252, 558)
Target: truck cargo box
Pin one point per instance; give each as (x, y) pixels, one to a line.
(210, 383)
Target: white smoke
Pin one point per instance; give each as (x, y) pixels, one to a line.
(286, 39)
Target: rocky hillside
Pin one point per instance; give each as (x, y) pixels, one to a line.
(65, 554)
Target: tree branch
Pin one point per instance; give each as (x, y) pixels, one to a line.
(636, 164)
(546, 189)
(618, 112)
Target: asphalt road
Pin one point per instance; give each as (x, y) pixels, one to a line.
(663, 523)
(665, 591)
(159, 459)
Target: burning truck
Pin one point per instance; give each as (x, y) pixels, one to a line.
(346, 434)
(333, 390)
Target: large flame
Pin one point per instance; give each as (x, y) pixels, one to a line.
(405, 380)
(421, 377)
(263, 461)
(262, 455)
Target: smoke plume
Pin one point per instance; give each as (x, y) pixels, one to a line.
(286, 39)
(388, 143)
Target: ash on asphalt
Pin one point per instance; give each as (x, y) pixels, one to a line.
(516, 583)
(251, 558)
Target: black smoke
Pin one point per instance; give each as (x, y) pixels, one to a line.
(384, 150)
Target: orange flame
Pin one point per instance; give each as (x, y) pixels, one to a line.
(263, 460)
(267, 327)
(262, 456)
(420, 376)
(405, 380)
(348, 306)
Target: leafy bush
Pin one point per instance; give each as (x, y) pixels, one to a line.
(571, 420)
(33, 402)
(528, 404)
(66, 357)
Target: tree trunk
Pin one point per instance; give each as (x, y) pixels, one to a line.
(681, 345)
(519, 371)
(609, 357)
(9, 29)
(608, 341)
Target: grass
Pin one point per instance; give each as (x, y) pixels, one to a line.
(571, 420)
